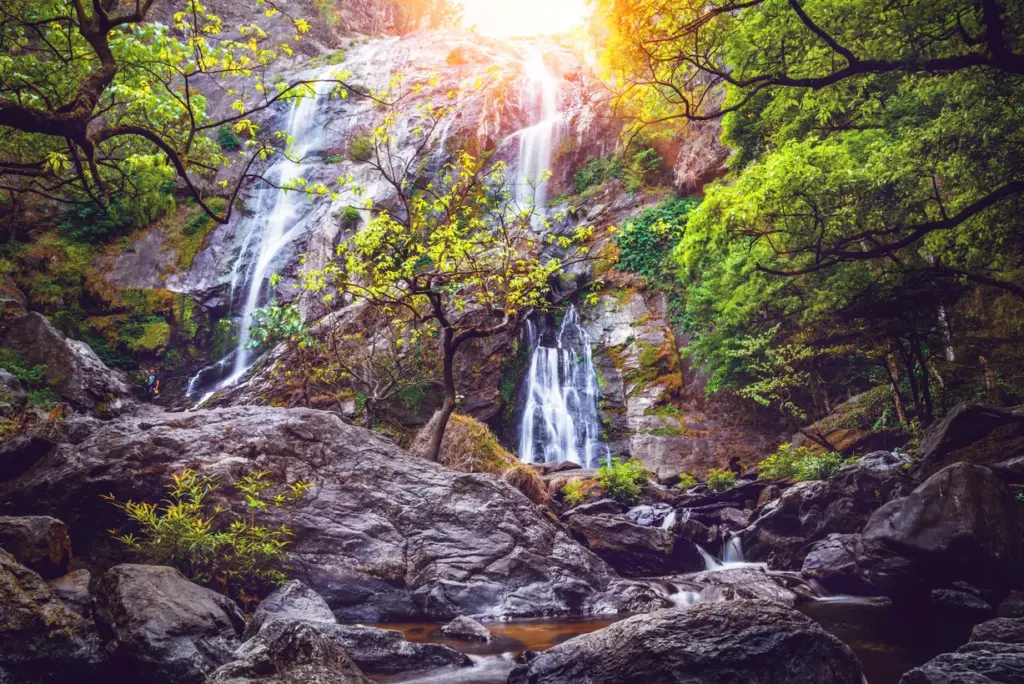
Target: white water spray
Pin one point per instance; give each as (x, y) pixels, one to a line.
(537, 141)
(275, 223)
(560, 421)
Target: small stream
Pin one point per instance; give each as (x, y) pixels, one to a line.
(887, 641)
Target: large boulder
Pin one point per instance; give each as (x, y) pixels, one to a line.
(467, 629)
(41, 640)
(381, 536)
(634, 550)
(832, 561)
(38, 542)
(973, 663)
(737, 641)
(978, 434)
(72, 367)
(298, 654)
(1001, 629)
(374, 650)
(809, 511)
(162, 629)
(743, 582)
(961, 524)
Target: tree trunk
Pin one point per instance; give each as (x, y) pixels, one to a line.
(894, 378)
(995, 397)
(448, 407)
(368, 412)
(908, 363)
(926, 392)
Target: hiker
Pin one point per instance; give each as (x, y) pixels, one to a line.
(152, 385)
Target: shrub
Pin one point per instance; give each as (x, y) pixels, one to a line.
(350, 217)
(210, 545)
(227, 139)
(686, 481)
(623, 480)
(468, 446)
(802, 464)
(646, 241)
(721, 479)
(634, 170)
(277, 323)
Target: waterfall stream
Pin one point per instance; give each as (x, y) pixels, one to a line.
(560, 420)
(537, 141)
(275, 222)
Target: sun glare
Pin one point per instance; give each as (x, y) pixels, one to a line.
(520, 18)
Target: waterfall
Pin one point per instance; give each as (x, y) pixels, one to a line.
(536, 142)
(275, 223)
(733, 550)
(560, 421)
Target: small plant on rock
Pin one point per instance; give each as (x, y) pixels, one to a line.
(802, 464)
(232, 553)
(623, 480)
(573, 493)
(686, 481)
(721, 479)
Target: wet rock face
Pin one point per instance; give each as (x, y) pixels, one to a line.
(77, 374)
(381, 535)
(973, 663)
(43, 642)
(741, 641)
(39, 542)
(161, 628)
(961, 524)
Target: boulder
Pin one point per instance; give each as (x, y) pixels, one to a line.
(162, 629)
(73, 590)
(738, 641)
(633, 550)
(382, 536)
(784, 529)
(603, 506)
(978, 434)
(649, 515)
(298, 654)
(467, 629)
(291, 600)
(374, 650)
(745, 582)
(960, 606)
(1000, 629)
(38, 542)
(12, 395)
(973, 663)
(72, 367)
(1012, 606)
(42, 640)
(961, 524)
(832, 562)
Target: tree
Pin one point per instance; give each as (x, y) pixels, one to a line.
(457, 249)
(100, 105)
(874, 190)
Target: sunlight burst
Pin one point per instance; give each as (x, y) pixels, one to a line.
(505, 19)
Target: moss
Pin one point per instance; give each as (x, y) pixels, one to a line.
(184, 308)
(193, 232)
(153, 338)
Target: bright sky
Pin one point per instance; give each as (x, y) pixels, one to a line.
(512, 18)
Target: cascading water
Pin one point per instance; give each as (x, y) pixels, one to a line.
(560, 420)
(273, 225)
(536, 142)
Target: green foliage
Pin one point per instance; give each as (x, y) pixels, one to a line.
(350, 217)
(12, 362)
(801, 464)
(277, 323)
(228, 139)
(721, 479)
(149, 337)
(623, 480)
(635, 170)
(43, 398)
(686, 481)
(96, 225)
(234, 553)
(646, 241)
(573, 493)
